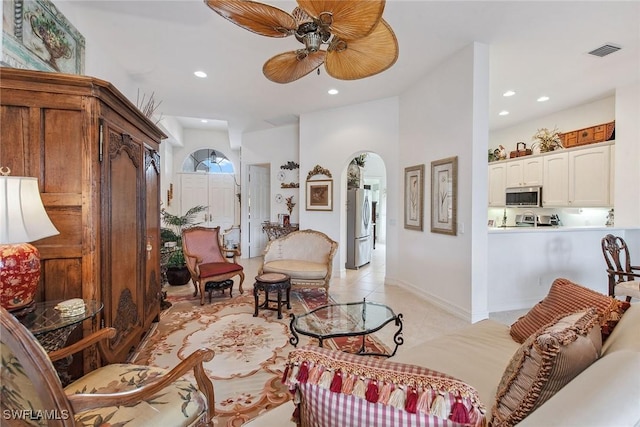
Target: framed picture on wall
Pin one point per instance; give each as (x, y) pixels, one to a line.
(444, 195)
(320, 195)
(38, 37)
(414, 197)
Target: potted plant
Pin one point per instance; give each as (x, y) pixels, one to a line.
(547, 140)
(176, 265)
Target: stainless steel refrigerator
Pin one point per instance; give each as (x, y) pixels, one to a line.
(359, 228)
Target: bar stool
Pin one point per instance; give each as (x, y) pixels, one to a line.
(269, 282)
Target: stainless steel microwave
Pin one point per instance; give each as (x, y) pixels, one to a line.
(524, 197)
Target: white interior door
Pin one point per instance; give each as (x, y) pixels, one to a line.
(259, 209)
(222, 201)
(216, 191)
(194, 188)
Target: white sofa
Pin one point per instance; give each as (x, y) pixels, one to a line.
(305, 255)
(607, 393)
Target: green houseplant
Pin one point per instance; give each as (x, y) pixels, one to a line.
(176, 265)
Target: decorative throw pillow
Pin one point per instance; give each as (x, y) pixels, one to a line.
(545, 363)
(336, 389)
(568, 297)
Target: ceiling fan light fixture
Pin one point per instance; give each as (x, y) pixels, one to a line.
(312, 41)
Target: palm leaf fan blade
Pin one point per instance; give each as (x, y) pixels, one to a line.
(351, 19)
(288, 67)
(363, 57)
(256, 17)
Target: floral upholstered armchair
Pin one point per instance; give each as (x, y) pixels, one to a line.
(115, 395)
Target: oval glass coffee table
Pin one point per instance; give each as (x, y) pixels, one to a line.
(346, 320)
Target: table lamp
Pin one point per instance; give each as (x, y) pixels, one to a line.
(23, 219)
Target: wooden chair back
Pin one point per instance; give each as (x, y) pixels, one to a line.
(616, 255)
(30, 386)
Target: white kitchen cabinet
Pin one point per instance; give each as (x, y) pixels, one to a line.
(555, 178)
(524, 173)
(577, 177)
(612, 169)
(497, 183)
(589, 177)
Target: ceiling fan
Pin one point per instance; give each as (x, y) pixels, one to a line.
(359, 43)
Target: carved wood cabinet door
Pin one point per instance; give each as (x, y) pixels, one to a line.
(122, 237)
(152, 279)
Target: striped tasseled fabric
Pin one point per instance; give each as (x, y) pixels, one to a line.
(337, 389)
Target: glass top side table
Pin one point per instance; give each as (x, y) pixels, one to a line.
(51, 328)
(346, 320)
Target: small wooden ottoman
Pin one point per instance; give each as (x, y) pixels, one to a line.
(269, 282)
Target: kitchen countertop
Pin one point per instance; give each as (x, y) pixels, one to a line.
(555, 228)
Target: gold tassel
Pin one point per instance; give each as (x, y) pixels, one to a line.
(424, 400)
(359, 389)
(325, 379)
(397, 398)
(385, 393)
(314, 374)
(348, 383)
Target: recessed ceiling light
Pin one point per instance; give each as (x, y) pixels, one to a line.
(200, 74)
(503, 113)
(333, 91)
(509, 93)
(204, 120)
(543, 99)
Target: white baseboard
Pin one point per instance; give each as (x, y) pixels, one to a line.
(435, 300)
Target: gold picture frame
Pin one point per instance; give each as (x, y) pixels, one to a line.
(444, 196)
(319, 195)
(414, 197)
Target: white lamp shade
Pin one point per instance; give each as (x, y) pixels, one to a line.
(22, 214)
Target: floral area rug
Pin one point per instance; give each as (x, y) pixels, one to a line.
(250, 352)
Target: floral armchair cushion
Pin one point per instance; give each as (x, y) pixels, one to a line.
(336, 389)
(180, 404)
(18, 397)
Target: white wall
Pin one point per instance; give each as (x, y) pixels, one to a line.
(627, 157)
(440, 118)
(524, 263)
(272, 147)
(98, 62)
(331, 139)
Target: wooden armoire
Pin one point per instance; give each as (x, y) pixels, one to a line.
(96, 159)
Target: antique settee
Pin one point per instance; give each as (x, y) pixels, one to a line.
(305, 255)
(585, 381)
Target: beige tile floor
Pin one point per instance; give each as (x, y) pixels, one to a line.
(421, 319)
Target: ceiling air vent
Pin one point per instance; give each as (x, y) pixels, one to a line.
(604, 50)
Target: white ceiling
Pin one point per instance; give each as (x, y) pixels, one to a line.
(536, 48)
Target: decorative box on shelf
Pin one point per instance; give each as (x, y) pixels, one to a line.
(521, 150)
(590, 135)
(520, 153)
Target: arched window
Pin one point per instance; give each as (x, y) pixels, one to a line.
(207, 160)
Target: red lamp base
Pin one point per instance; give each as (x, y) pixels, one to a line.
(19, 275)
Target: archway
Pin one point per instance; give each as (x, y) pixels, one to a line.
(366, 183)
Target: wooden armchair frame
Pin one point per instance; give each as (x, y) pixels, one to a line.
(619, 268)
(39, 369)
(198, 260)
